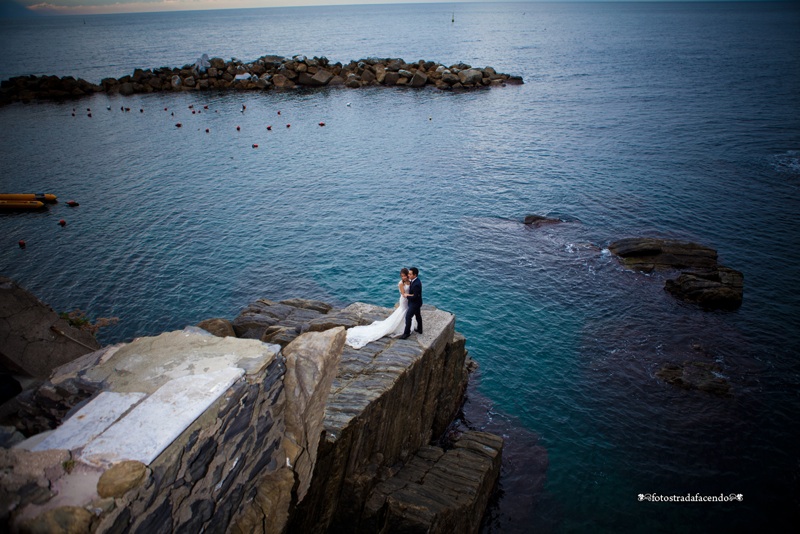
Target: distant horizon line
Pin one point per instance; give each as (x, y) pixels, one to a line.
(48, 9)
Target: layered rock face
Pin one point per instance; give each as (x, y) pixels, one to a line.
(702, 281)
(191, 432)
(267, 72)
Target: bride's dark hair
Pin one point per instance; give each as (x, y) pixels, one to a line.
(403, 271)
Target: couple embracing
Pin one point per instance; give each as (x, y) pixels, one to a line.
(406, 314)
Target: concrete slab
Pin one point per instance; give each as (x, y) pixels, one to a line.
(155, 423)
(90, 421)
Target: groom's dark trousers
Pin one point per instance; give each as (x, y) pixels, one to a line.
(414, 306)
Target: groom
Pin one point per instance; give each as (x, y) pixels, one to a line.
(414, 297)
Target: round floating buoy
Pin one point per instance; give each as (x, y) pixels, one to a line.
(141, 110)
(178, 125)
(279, 113)
(22, 243)
(322, 124)
(288, 125)
(430, 118)
(269, 128)
(88, 109)
(207, 130)
(243, 108)
(172, 113)
(108, 108)
(72, 204)
(127, 110)
(205, 107)
(73, 114)
(193, 112)
(122, 108)
(191, 106)
(165, 109)
(89, 115)
(62, 222)
(238, 128)
(255, 145)
(348, 104)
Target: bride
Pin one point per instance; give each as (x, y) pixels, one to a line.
(358, 336)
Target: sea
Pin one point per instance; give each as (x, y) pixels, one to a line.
(670, 120)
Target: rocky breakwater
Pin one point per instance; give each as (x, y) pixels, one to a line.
(702, 279)
(265, 73)
(282, 429)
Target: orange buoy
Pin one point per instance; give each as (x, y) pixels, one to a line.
(269, 128)
(238, 128)
(62, 222)
(72, 204)
(288, 125)
(322, 124)
(255, 145)
(22, 243)
(178, 125)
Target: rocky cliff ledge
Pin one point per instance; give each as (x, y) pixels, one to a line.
(265, 73)
(283, 430)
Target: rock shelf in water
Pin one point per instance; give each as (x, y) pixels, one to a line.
(263, 74)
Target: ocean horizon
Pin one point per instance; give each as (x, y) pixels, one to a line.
(672, 120)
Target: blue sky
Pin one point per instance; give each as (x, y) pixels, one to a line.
(85, 7)
(133, 6)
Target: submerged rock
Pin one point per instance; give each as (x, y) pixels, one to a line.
(701, 376)
(706, 283)
(539, 220)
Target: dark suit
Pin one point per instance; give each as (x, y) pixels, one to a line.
(414, 306)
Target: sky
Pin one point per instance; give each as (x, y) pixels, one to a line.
(88, 7)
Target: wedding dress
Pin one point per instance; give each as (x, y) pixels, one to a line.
(358, 336)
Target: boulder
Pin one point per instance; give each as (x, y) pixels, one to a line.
(647, 254)
(391, 78)
(703, 281)
(175, 82)
(419, 79)
(217, 326)
(470, 76)
(121, 478)
(126, 89)
(718, 289)
(449, 78)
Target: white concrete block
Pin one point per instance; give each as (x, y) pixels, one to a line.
(158, 420)
(90, 421)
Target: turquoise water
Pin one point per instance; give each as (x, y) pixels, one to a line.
(667, 120)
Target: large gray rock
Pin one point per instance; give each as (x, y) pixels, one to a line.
(647, 254)
(470, 76)
(419, 79)
(34, 340)
(718, 289)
